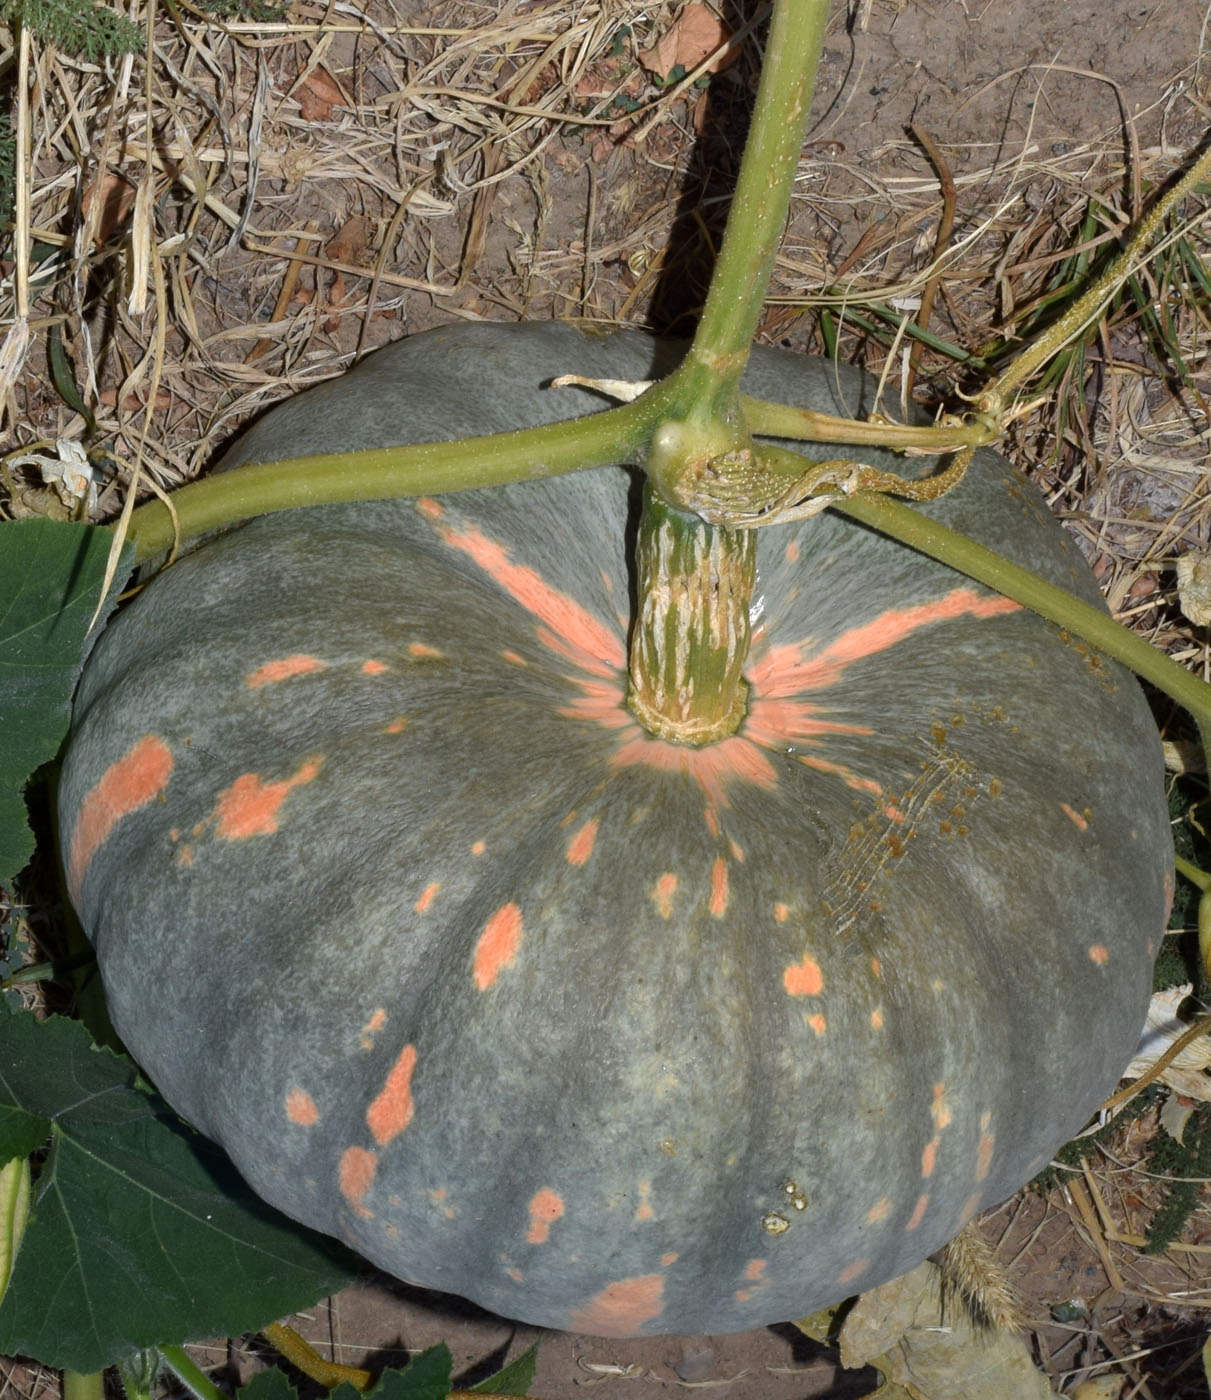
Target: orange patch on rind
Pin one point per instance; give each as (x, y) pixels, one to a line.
(621, 1309)
(283, 669)
(546, 1207)
(355, 1174)
(580, 847)
(301, 1109)
(662, 894)
(427, 896)
(804, 978)
(125, 786)
(250, 806)
(497, 945)
(392, 1109)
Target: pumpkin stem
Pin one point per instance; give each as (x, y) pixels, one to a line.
(709, 379)
(692, 630)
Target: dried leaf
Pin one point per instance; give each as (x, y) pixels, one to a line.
(114, 198)
(695, 34)
(351, 245)
(1175, 1114)
(1184, 756)
(1194, 586)
(317, 95)
(352, 240)
(71, 474)
(936, 1352)
(1189, 1073)
(132, 402)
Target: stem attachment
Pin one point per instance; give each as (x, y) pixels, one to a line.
(691, 638)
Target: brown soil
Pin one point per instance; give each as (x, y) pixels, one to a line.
(250, 269)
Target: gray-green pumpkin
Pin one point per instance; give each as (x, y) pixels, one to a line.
(395, 900)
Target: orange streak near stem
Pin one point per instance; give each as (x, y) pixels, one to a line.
(593, 644)
(785, 670)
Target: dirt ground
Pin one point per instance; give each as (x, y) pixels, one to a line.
(203, 272)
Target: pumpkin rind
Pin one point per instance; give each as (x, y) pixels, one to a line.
(394, 899)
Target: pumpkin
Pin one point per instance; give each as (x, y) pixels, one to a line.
(394, 899)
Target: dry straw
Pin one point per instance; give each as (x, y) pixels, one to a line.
(249, 204)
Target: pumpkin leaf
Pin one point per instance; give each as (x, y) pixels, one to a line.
(514, 1379)
(272, 1384)
(50, 580)
(425, 1377)
(140, 1231)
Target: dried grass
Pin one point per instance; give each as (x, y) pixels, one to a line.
(1141, 1315)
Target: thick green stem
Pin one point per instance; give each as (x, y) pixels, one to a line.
(1192, 873)
(190, 1374)
(710, 377)
(781, 420)
(691, 636)
(78, 1386)
(913, 528)
(602, 439)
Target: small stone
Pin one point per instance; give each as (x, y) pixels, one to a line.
(697, 1362)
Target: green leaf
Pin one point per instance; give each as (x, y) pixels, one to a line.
(82, 28)
(141, 1231)
(515, 1379)
(425, 1377)
(273, 1384)
(50, 583)
(64, 379)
